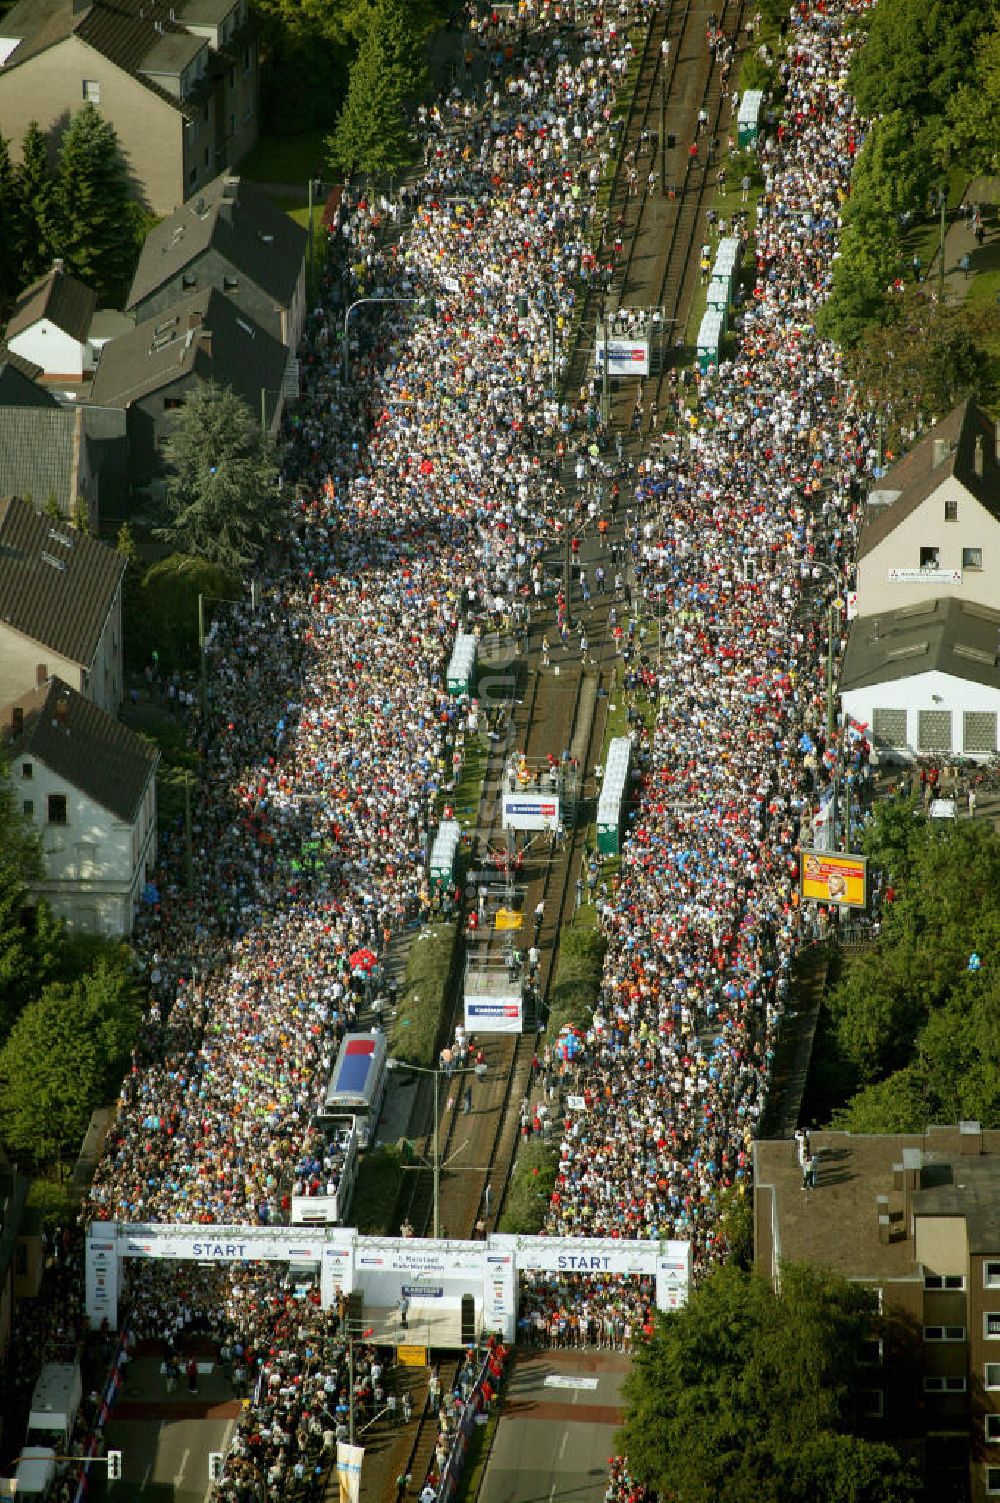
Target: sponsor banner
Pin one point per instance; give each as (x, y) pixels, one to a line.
(428, 1259)
(587, 1254)
(530, 811)
(626, 357)
(488, 1015)
(924, 576)
(829, 878)
(411, 1356)
(565, 1380)
(349, 1459)
(423, 1291)
(221, 1244)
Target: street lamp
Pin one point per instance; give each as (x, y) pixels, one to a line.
(402, 1064)
(346, 356)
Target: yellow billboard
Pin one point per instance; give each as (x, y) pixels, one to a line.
(829, 878)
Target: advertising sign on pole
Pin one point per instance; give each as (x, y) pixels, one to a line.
(829, 878)
(626, 357)
(530, 811)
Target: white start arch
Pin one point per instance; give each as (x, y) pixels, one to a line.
(432, 1276)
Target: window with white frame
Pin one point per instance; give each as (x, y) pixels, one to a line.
(951, 511)
(979, 731)
(991, 1273)
(91, 91)
(944, 1333)
(934, 730)
(944, 1385)
(873, 1403)
(991, 1325)
(889, 727)
(992, 1481)
(972, 559)
(872, 1352)
(992, 1376)
(993, 1428)
(944, 1280)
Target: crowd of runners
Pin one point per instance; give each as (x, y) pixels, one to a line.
(420, 493)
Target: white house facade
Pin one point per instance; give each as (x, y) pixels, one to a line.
(88, 785)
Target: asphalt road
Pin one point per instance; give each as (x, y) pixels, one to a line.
(556, 1433)
(165, 1439)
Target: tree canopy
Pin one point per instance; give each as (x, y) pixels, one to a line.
(748, 1396)
(919, 1029)
(222, 499)
(65, 1055)
(372, 131)
(98, 222)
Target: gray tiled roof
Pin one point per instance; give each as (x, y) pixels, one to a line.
(18, 384)
(918, 474)
(64, 608)
(241, 223)
(58, 297)
(86, 747)
(123, 31)
(168, 347)
(39, 453)
(944, 635)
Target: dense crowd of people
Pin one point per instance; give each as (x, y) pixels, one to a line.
(705, 920)
(420, 493)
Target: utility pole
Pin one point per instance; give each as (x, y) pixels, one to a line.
(187, 831)
(437, 1160)
(943, 200)
(605, 379)
(663, 134)
(201, 654)
(829, 672)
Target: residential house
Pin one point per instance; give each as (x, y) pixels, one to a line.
(178, 80)
(18, 381)
(202, 337)
(915, 1216)
(933, 525)
(50, 325)
(60, 607)
(88, 784)
(926, 679)
(232, 237)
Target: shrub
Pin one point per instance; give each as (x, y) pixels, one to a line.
(420, 1016)
(579, 965)
(531, 1186)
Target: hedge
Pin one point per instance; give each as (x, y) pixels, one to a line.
(530, 1189)
(423, 1000)
(373, 1205)
(579, 966)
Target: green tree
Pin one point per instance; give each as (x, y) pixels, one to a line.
(747, 1396)
(12, 239)
(862, 274)
(975, 107)
(98, 220)
(916, 56)
(64, 1056)
(37, 188)
(222, 497)
(22, 964)
(372, 132)
(165, 615)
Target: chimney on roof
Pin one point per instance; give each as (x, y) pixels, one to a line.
(62, 712)
(194, 319)
(17, 719)
(80, 7)
(41, 674)
(205, 341)
(942, 449)
(970, 1139)
(977, 458)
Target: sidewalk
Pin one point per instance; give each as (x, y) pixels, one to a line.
(960, 241)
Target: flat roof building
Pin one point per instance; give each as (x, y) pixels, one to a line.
(917, 1217)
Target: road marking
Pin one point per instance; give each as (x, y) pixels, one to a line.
(564, 1380)
(562, 1444)
(184, 1461)
(146, 1476)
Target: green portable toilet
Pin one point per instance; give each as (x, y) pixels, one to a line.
(709, 339)
(462, 667)
(443, 853)
(748, 119)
